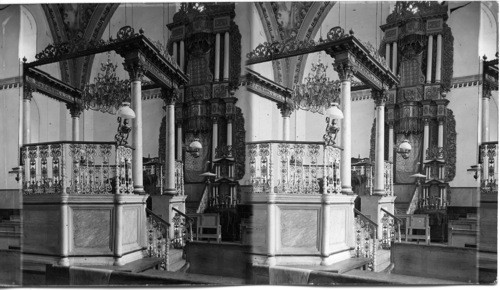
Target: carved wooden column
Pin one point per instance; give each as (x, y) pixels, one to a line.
(438, 57)
(390, 122)
(388, 54)
(485, 114)
(441, 116)
(426, 115)
(215, 135)
(394, 57)
(429, 60)
(178, 121)
(230, 111)
(169, 96)
(217, 58)
(216, 113)
(135, 69)
(226, 56)
(379, 98)
(345, 71)
(181, 53)
(27, 96)
(286, 110)
(174, 48)
(75, 111)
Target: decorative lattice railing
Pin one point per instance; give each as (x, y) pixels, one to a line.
(288, 167)
(366, 243)
(158, 238)
(488, 159)
(76, 168)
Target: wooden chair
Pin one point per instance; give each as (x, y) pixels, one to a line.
(208, 227)
(417, 223)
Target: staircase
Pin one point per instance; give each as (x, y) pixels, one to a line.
(10, 233)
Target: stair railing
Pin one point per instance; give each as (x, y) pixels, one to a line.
(183, 229)
(204, 200)
(366, 238)
(414, 201)
(391, 229)
(158, 238)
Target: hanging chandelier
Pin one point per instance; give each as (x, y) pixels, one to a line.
(318, 92)
(108, 92)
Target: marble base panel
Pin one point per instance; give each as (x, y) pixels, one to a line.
(89, 235)
(371, 206)
(307, 229)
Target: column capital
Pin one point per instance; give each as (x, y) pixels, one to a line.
(345, 70)
(135, 69)
(169, 95)
(286, 109)
(486, 90)
(215, 119)
(75, 109)
(28, 92)
(380, 97)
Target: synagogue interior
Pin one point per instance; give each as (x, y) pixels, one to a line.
(249, 143)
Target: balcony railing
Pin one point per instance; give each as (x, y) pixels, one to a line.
(366, 171)
(391, 229)
(388, 178)
(76, 168)
(288, 167)
(179, 178)
(366, 238)
(158, 238)
(488, 159)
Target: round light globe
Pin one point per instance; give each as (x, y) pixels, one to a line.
(125, 112)
(195, 144)
(334, 112)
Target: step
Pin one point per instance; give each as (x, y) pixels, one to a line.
(399, 279)
(16, 218)
(196, 278)
(137, 266)
(175, 255)
(339, 267)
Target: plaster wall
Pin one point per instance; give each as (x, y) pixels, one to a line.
(464, 104)
(24, 32)
(364, 18)
(262, 118)
(464, 24)
(9, 136)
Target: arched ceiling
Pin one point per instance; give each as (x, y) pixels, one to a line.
(70, 22)
(284, 20)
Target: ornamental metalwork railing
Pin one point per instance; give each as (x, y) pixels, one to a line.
(179, 178)
(366, 238)
(158, 238)
(364, 172)
(291, 167)
(388, 178)
(76, 168)
(391, 229)
(183, 229)
(488, 159)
